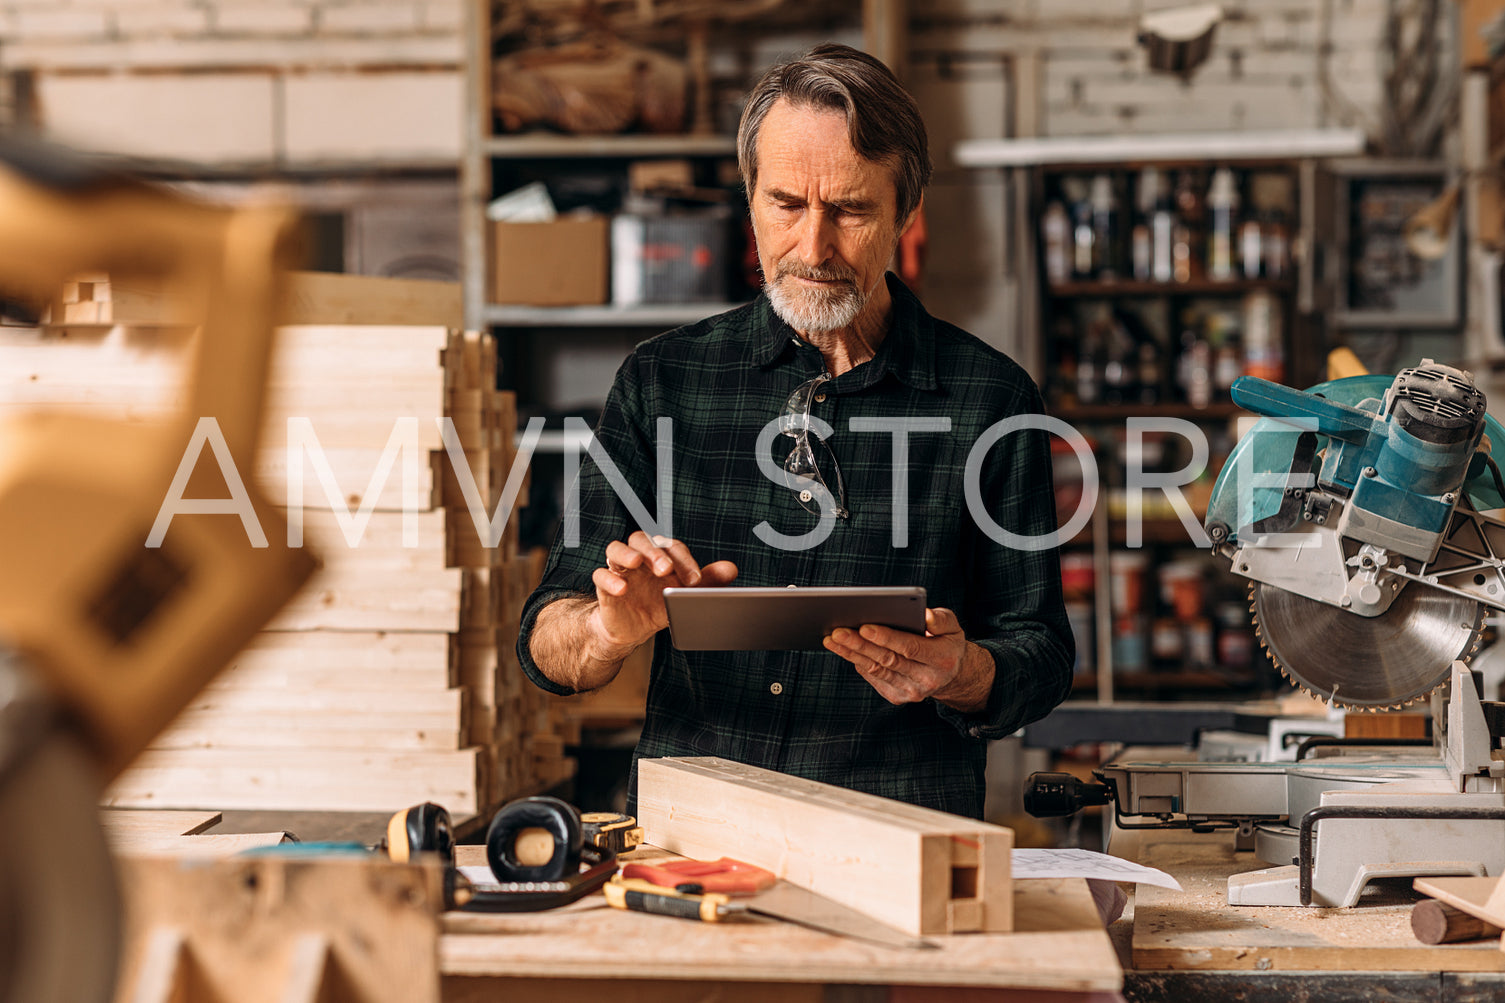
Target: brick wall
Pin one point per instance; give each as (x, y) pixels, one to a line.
(278, 82)
(986, 68)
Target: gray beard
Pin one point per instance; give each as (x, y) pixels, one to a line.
(815, 310)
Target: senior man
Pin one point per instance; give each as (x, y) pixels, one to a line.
(883, 406)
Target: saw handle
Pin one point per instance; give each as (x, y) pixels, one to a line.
(639, 895)
(1057, 795)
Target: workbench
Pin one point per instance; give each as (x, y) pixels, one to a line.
(1059, 953)
(1191, 944)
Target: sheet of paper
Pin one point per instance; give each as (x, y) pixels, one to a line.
(480, 876)
(1031, 863)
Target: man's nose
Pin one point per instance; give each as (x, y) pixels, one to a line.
(815, 239)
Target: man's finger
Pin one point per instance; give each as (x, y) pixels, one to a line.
(658, 561)
(609, 582)
(909, 645)
(620, 557)
(718, 573)
(684, 565)
(941, 620)
(876, 653)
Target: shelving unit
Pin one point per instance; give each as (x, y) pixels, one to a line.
(1034, 166)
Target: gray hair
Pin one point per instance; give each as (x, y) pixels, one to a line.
(883, 120)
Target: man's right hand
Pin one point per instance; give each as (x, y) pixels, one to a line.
(630, 590)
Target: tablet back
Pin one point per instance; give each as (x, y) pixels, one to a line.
(784, 619)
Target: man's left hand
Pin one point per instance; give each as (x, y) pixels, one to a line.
(908, 668)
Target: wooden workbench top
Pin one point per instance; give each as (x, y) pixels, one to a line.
(1196, 928)
(1059, 944)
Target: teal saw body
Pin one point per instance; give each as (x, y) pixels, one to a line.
(1361, 511)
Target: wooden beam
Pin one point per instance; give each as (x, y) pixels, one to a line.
(922, 871)
(328, 298)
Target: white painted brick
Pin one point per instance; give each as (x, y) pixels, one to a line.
(1090, 11)
(368, 17)
(159, 20)
(210, 119)
(393, 115)
(262, 18)
(442, 15)
(971, 104)
(396, 50)
(1287, 62)
(1014, 10)
(61, 22)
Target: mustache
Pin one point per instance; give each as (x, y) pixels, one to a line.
(819, 273)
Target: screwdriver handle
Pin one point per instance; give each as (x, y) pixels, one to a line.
(643, 896)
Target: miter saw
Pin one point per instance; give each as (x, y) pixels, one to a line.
(1365, 513)
(103, 637)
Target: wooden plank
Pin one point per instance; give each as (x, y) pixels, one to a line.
(427, 600)
(306, 731)
(356, 652)
(130, 824)
(353, 703)
(328, 298)
(208, 846)
(1196, 928)
(352, 469)
(292, 780)
(894, 861)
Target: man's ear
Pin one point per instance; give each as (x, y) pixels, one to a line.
(914, 214)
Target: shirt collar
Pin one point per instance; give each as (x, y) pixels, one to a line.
(908, 352)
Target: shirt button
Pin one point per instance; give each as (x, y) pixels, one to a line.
(776, 689)
(975, 731)
(820, 398)
(805, 496)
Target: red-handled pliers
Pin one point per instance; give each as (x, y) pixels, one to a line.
(724, 877)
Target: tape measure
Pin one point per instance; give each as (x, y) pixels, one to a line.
(611, 830)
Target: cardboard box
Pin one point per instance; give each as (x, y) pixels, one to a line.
(562, 263)
(1474, 16)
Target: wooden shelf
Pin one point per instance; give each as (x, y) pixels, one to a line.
(1196, 287)
(1166, 531)
(545, 145)
(1252, 145)
(664, 315)
(1221, 411)
(1170, 679)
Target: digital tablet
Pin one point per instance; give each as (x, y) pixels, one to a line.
(784, 619)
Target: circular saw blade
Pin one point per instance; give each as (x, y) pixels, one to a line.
(1367, 663)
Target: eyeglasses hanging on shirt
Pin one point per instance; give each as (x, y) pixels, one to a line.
(811, 467)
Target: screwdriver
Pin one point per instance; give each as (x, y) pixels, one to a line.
(645, 896)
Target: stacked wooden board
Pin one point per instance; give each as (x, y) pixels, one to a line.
(392, 678)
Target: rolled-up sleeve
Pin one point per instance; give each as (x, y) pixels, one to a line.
(595, 506)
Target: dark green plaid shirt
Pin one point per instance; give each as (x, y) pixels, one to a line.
(810, 713)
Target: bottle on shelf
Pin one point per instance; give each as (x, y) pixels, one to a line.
(1186, 239)
(1105, 228)
(1055, 232)
(1222, 204)
(1264, 353)
(1089, 367)
(1143, 242)
(1083, 256)
(1162, 231)
(1194, 370)
(1275, 245)
(1251, 246)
